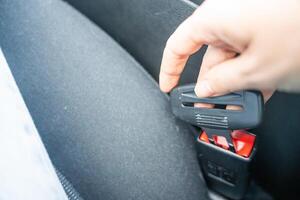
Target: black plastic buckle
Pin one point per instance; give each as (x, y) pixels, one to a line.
(224, 170)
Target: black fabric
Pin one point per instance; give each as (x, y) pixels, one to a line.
(102, 118)
(142, 27)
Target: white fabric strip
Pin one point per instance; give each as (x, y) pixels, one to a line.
(26, 172)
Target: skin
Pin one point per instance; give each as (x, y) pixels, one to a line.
(252, 44)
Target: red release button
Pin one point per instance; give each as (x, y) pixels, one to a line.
(203, 137)
(243, 142)
(221, 141)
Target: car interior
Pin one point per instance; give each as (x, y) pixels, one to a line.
(66, 58)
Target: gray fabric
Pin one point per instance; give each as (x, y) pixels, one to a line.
(198, 2)
(102, 118)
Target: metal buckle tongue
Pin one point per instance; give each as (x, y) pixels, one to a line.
(224, 149)
(221, 138)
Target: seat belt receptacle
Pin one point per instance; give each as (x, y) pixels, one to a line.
(225, 149)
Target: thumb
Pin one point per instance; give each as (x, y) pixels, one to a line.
(228, 76)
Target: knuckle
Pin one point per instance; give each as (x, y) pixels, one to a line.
(172, 51)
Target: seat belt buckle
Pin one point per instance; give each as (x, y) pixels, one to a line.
(226, 167)
(225, 149)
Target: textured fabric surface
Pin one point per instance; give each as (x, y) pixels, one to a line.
(143, 26)
(68, 187)
(103, 120)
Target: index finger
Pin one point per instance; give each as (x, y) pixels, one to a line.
(186, 40)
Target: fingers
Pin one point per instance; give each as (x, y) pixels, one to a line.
(233, 74)
(223, 73)
(212, 57)
(233, 107)
(267, 94)
(214, 22)
(186, 40)
(203, 105)
(215, 56)
(228, 76)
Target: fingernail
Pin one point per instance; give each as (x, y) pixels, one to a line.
(203, 89)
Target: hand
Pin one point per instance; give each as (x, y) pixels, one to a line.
(252, 44)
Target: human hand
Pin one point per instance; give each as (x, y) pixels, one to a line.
(252, 44)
